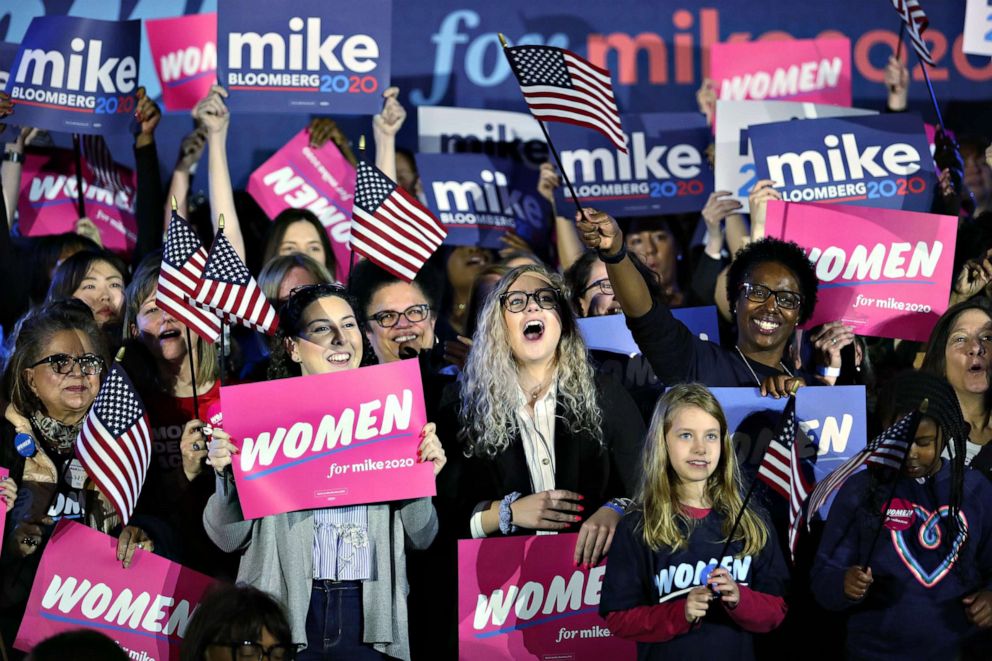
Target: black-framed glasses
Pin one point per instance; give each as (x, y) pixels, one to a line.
(90, 364)
(788, 300)
(249, 651)
(516, 301)
(413, 314)
(604, 284)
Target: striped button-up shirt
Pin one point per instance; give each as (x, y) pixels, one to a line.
(342, 549)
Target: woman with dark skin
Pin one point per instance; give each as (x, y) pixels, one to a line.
(772, 289)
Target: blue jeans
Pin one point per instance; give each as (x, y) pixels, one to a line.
(335, 623)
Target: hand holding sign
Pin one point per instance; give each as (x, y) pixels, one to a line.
(548, 181)
(595, 537)
(131, 539)
(212, 112)
(220, 451)
(430, 448)
(388, 122)
(547, 510)
(757, 201)
(706, 99)
(8, 491)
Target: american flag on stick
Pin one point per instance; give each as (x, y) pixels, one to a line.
(888, 449)
(229, 290)
(115, 443)
(782, 469)
(560, 86)
(916, 21)
(180, 278)
(101, 163)
(390, 227)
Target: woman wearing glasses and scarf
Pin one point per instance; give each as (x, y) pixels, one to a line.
(771, 286)
(49, 384)
(340, 571)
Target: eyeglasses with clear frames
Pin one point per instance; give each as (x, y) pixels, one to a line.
(788, 300)
(249, 651)
(90, 364)
(516, 301)
(413, 314)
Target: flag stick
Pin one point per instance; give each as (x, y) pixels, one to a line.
(223, 349)
(902, 31)
(895, 482)
(354, 255)
(551, 145)
(192, 370)
(933, 97)
(78, 153)
(740, 515)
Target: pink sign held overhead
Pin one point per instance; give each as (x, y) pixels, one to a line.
(46, 202)
(884, 271)
(184, 51)
(814, 70)
(328, 440)
(524, 598)
(145, 608)
(321, 180)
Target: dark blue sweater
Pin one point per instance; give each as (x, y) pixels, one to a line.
(913, 609)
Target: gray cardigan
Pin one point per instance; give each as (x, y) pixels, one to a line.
(278, 558)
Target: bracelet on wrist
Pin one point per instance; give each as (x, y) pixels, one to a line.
(828, 371)
(13, 156)
(615, 258)
(506, 514)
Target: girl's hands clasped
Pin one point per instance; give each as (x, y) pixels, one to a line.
(721, 581)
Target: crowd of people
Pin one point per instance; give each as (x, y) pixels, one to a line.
(529, 431)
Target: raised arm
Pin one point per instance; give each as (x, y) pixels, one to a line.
(148, 197)
(385, 126)
(190, 151)
(599, 231)
(215, 116)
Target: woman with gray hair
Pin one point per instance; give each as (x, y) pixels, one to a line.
(541, 452)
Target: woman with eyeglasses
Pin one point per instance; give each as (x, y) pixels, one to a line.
(49, 384)
(771, 286)
(340, 571)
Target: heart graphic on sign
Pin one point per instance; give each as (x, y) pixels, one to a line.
(929, 536)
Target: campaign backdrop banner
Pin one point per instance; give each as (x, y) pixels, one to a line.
(76, 75)
(145, 608)
(524, 598)
(497, 133)
(184, 52)
(815, 70)
(328, 440)
(664, 171)
(882, 161)
(978, 28)
(320, 180)
(610, 332)
(480, 198)
(46, 201)
(885, 272)
(834, 419)
(735, 169)
(328, 57)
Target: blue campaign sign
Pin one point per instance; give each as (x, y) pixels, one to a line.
(76, 75)
(479, 198)
(7, 54)
(664, 171)
(876, 161)
(305, 56)
(610, 332)
(834, 419)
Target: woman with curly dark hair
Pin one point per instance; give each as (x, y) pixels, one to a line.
(771, 287)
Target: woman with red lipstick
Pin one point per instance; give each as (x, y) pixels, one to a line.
(772, 289)
(960, 350)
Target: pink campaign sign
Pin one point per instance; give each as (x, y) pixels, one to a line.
(321, 180)
(524, 598)
(814, 70)
(144, 608)
(884, 271)
(184, 50)
(46, 201)
(328, 440)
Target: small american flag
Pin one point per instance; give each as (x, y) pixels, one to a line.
(180, 278)
(888, 449)
(229, 290)
(560, 86)
(101, 163)
(916, 21)
(115, 444)
(390, 227)
(782, 469)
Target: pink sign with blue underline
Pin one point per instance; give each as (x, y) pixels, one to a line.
(184, 51)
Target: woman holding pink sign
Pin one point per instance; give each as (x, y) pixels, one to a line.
(340, 571)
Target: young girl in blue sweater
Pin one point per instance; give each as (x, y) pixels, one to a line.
(925, 592)
(661, 588)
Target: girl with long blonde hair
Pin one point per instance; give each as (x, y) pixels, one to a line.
(665, 587)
